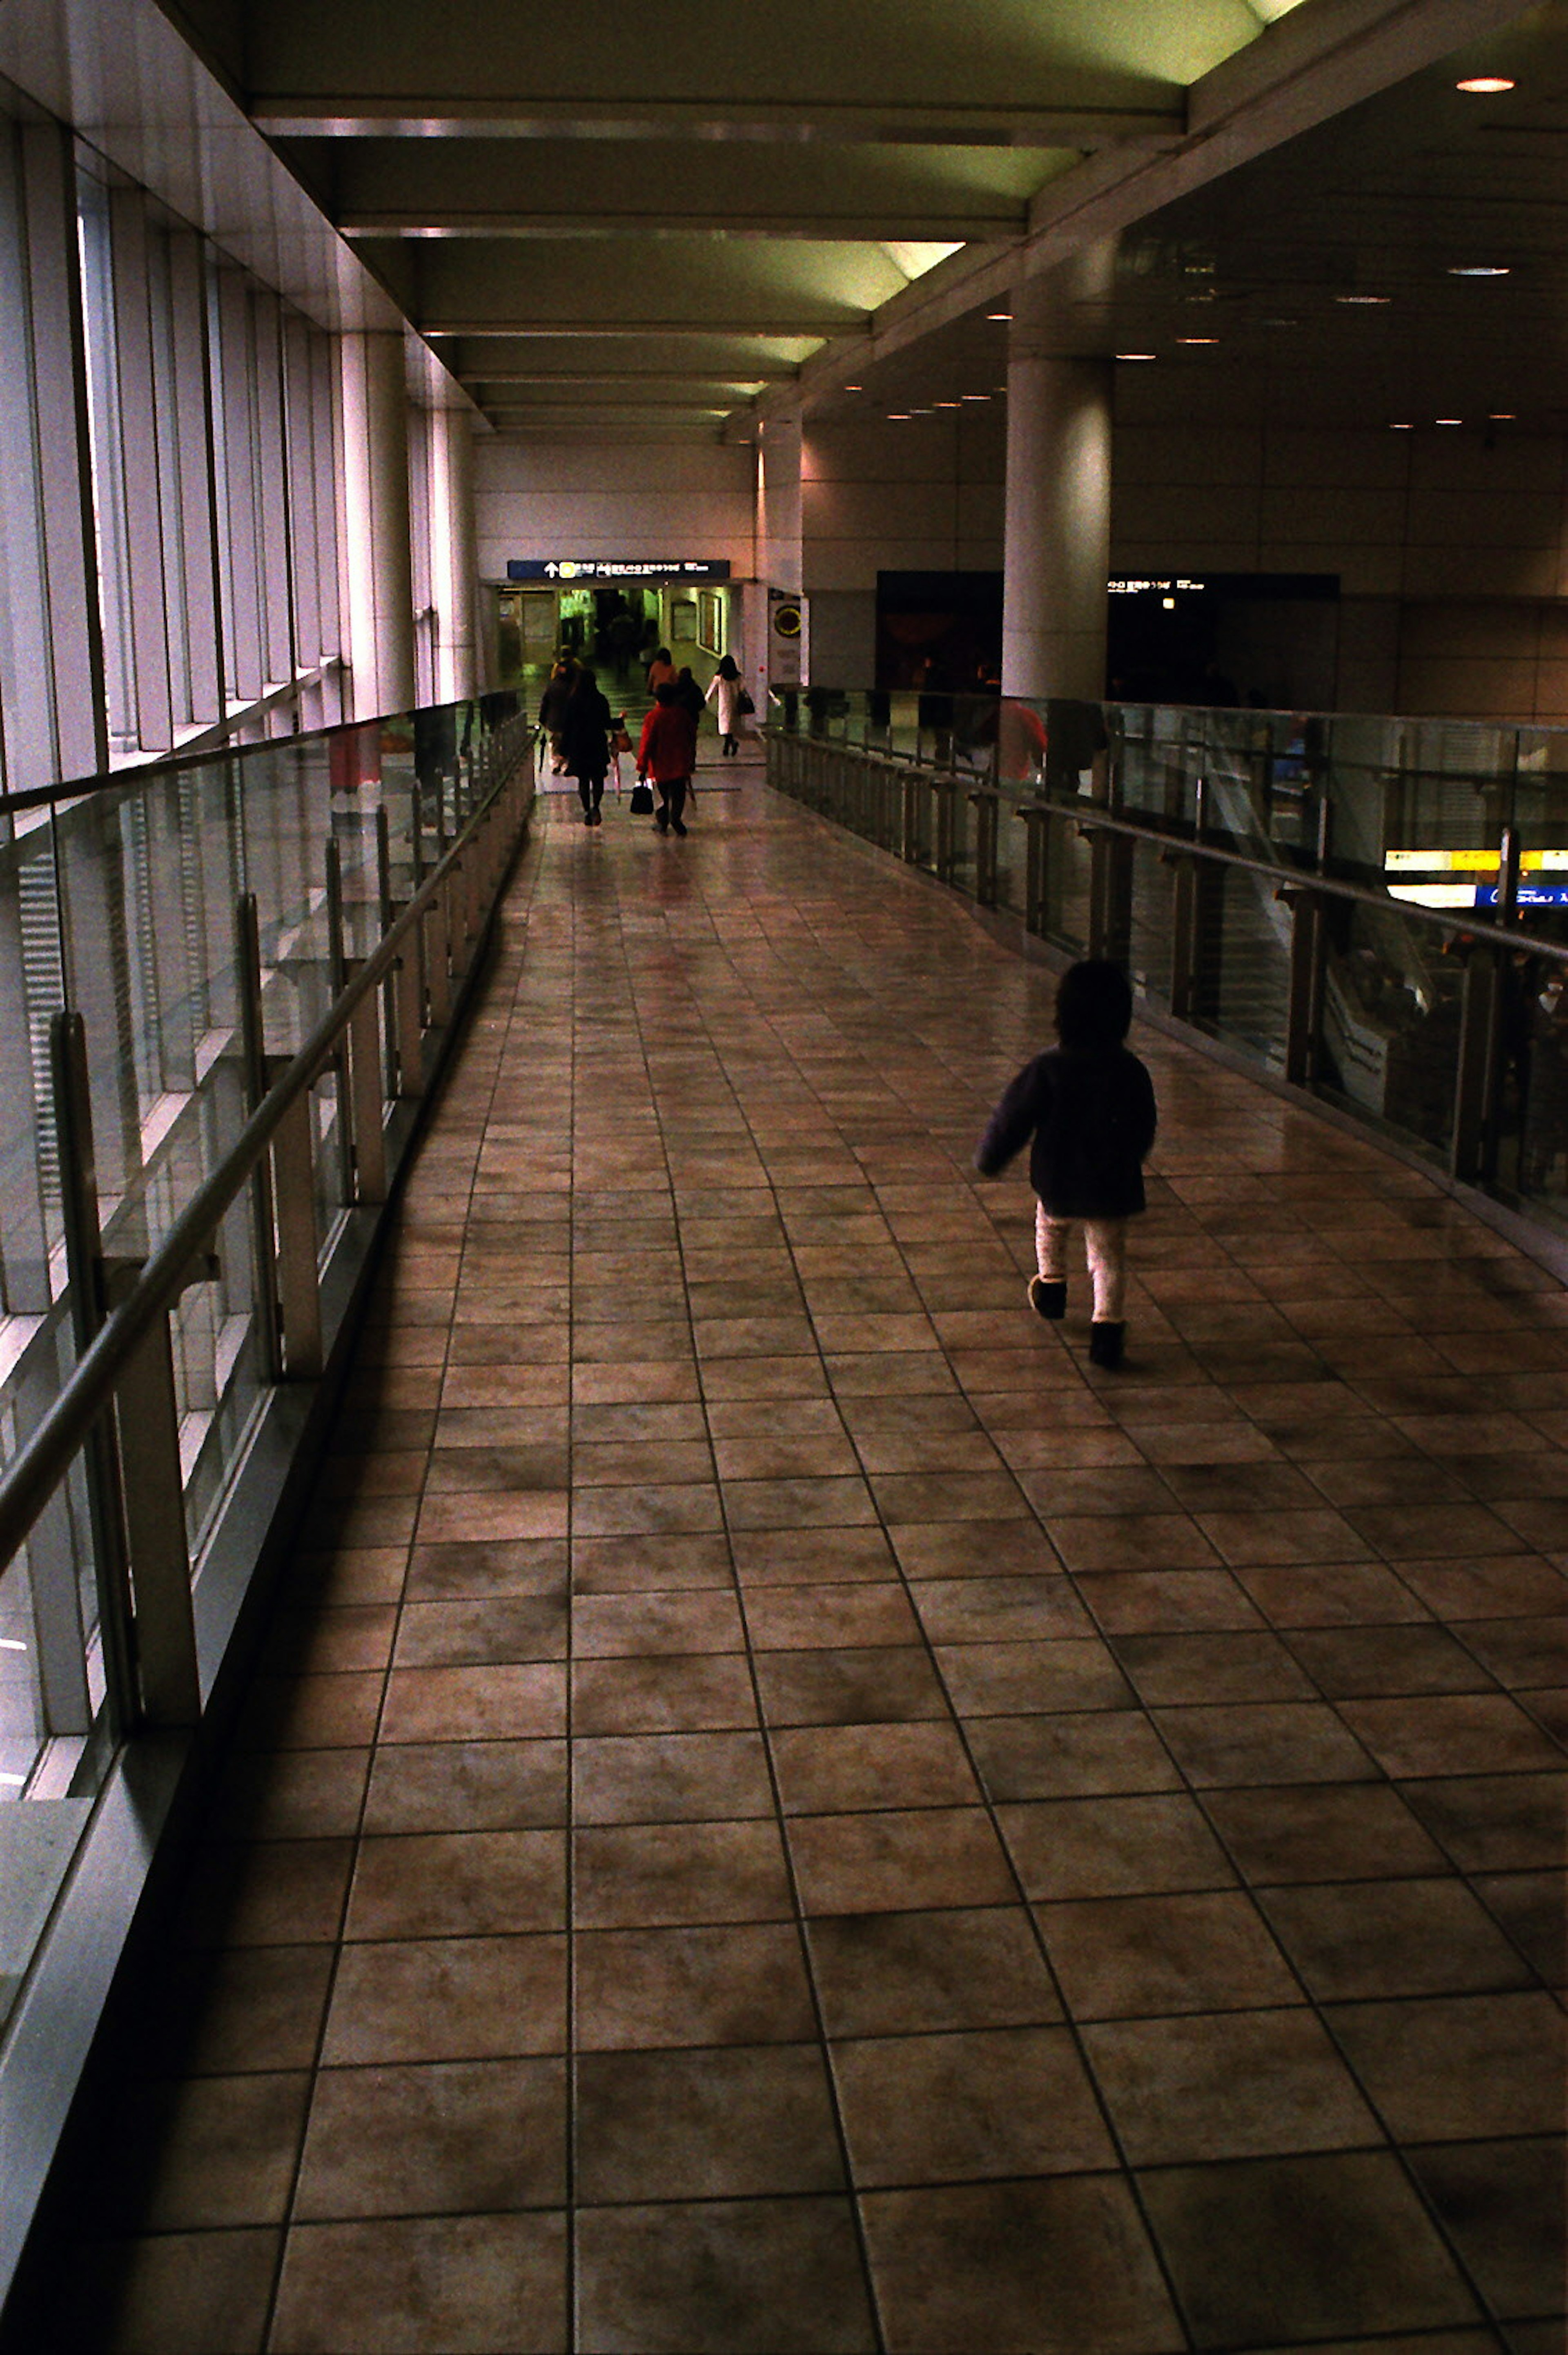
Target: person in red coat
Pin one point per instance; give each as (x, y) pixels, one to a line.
(666, 756)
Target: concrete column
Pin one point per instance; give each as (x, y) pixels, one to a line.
(454, 554)
(779, 523)
(1058, 530)
(378, 570)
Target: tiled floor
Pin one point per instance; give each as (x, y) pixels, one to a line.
(787, 1813)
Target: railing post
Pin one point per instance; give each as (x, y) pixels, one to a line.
(366, 1099)
(384, 900)
(1037, 865)
(987, 808)
(1476, 1072)
(909, 834)
(146, 1624)
(147, 1412)
(1110, 894)
(53, 1578)
(85, 1274)
(1305, 1008)
(299, 1284)
(337, 982)
(1186, 899)
(434, 950)
(946, 853)
(248, 965)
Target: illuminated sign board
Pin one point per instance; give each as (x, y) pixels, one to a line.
(590, 569)
(1479, 869)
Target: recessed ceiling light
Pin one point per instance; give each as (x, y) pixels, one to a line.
(1478, 269)
(854, 388)
(1135, 355)
(1361, 301)
(1447, 421)
(1198, 339)
(1001, 316)
(1400, 425)
(946, 404)
(898, 416)
(976, 396)
(1484, 85)
(1503, 417)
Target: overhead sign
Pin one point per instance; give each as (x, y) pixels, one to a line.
(617, 568)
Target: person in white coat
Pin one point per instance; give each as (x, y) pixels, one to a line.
(724, 688)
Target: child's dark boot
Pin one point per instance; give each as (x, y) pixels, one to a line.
(1048, 1295)
(1105, 1342)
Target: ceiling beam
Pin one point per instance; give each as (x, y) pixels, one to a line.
(822, 121)
(1324, 56)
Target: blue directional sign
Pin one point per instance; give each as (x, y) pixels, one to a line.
(589, 569)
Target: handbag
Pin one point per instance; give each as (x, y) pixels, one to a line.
(744, 705)
(642, 802)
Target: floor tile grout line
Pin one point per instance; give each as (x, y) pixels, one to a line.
(1393, 2143)
(570, 2153)
(289, 2212)
(957, 1722)
(1484, 2305)
(851, 2195)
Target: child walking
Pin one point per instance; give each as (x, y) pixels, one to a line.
(1089, 1106)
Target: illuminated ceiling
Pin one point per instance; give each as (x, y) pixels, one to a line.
(616, 226)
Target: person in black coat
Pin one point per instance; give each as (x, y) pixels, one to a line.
(1089, 1106)
(586, 742)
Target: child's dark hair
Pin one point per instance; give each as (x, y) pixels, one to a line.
(1093, 1005)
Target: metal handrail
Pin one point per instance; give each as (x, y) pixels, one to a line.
(42, 1461)
(1298, 878)
(1098, 818)
(136, 773)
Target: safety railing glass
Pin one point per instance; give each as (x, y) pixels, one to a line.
(122, 903)
(1373, 907)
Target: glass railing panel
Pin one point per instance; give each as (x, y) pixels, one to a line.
(1389, 1041)
(1379, 802)
(1243, 978)
(1150, 945)
(32, 983)
(120, 902)
(1066, 895)
(1538, 1164)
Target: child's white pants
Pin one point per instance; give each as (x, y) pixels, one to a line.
(1105, 1242)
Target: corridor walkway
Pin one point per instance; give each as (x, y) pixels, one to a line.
(788, 1813)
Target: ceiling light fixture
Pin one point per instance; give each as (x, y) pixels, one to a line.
(976, 396)
(1400, 425)
(1001, 317)
(1135, 355)
(854, 388)
(1198, 339)
(1502, 416)
(946, 404)
(1447, 421)
(1484, 85)
(898, 416)
(1477, 269)
(1361, 301)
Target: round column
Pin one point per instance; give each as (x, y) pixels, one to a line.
(377, 567)
(1058, 529)
(455, 559)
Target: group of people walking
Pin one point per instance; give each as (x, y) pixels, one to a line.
(585, 736)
